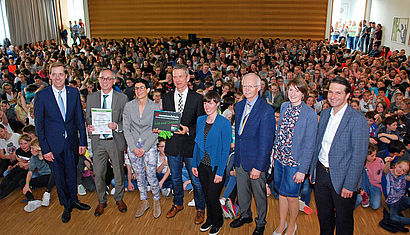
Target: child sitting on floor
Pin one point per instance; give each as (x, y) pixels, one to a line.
(36, 162)
(396, 198)
(371, 193)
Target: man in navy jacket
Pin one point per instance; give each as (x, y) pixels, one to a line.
(254, 133)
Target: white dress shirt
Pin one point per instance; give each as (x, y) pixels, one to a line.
(108, 102)
(329, 135)
(176, 99)
(63, 95)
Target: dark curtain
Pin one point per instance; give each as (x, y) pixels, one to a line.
(31, 20)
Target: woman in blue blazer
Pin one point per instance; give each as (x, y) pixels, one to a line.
(293, 151)
(212, 143)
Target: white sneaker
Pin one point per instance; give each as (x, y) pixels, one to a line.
(191, 203)
(32, 205)
(46, 199)
(113, 191)
(81, 190)
(222, 201)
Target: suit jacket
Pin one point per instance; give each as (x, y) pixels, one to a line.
(304, 136)
(118, 102)
(136, 127)
(194, 107)
(253, 147)
(50, 125)
(217, 143)
(348, 152)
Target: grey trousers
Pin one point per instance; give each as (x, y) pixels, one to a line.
(108, 149)
(246, 187)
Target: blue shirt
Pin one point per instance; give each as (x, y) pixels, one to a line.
(251, 103)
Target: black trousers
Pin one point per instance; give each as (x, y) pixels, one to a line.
(41, 181)
(12, 181)
(333, 210)
(212, 192)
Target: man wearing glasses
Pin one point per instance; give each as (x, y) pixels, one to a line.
(106, 146)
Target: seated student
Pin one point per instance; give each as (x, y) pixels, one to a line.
(85, 180)
(367, 103)
(386, 134)
(130, 177)
(355, 104)
(370, 116)
(396, 199)
(163, 170)
(229, 196)
(37, 162)
(228, 108)
(18, 171)
(8, 147)
(395, 150)
(371, 192)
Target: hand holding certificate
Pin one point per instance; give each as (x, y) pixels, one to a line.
(100, 120)
(166, 120)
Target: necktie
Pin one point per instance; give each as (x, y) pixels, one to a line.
(247, 111)
(180, 103)
(61, 104)
(104, 106)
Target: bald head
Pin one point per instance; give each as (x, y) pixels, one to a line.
(106, 80)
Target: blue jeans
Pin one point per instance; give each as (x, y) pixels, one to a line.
(306, 191)
(350, 42)
(175, 164)
(396, 208)
(374, 193)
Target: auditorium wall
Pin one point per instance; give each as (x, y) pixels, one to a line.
(208, 18)
(383, 11)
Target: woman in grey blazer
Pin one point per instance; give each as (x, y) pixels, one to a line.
(293, 151)
(142, 142)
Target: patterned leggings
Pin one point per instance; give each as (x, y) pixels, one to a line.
(149, 161)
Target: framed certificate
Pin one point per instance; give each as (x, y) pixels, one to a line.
(166, 120)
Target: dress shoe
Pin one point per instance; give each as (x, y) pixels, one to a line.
(200, 216)
(81, 206)
(174, 210)
(121, 206)
(66, 216)
(238, 222)
(258, 230)
(100, 209)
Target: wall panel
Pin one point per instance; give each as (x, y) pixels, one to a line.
(208, 18)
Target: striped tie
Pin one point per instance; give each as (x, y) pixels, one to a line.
(180, 108)
(247, 111)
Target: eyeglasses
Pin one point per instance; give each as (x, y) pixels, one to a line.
(140, 88)
(106, 78)
(161, 146)
(249, 86)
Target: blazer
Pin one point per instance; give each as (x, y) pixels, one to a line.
(217, 143)
(50, 125)
(304, 136)
(253, 147)
(118, 102)
(184, 144)
(348, 152)
(136, 127)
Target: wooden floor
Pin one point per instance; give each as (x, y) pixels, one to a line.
(47, 220)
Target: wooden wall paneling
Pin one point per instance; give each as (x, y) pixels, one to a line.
(212, 18)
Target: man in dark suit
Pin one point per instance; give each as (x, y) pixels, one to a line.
(106, 146)
(59, 121)
(338, 161)
(180, 147)
(254, 133)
